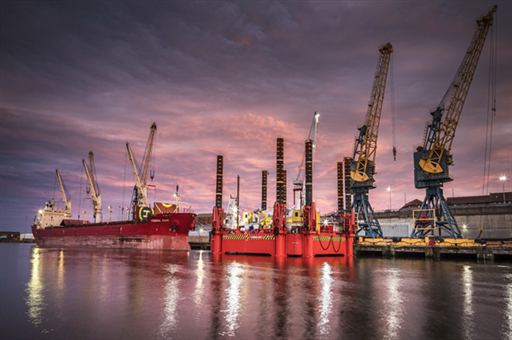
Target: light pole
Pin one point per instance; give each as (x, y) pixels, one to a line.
(503, 179)
(389, 190)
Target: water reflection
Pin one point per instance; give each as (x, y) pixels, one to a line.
(171, 298)
(35, 300)
(233, 297)
(125, 294)
(394, 304)
(60, 273)
(199, 291)
(325, 299)
(508, 308)
(467, 291)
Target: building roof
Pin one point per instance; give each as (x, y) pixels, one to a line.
(492, 198)
(414, 204)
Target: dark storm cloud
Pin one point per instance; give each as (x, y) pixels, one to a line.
(229, 78)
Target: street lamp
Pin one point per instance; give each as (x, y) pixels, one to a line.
(389, 190)
(503, 179)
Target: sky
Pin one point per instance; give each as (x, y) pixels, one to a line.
(229, 78)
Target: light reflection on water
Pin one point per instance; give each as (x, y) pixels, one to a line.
(60, 280)
(200, 273)
(149, 294)
(35, 298)
(171, 298)
(508, 308)
(325, 299)
(394, 304)
(467, 288)
(233, 297)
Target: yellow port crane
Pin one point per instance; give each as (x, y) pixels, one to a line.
(365, 149)
(433, 159)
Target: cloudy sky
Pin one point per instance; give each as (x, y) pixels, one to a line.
(228, 78)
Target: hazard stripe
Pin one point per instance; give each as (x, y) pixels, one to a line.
(248, 237)
(328, 238)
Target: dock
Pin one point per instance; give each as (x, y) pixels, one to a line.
(486, 250)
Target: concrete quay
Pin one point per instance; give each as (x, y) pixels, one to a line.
(496, 252)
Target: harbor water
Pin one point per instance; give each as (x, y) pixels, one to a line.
(55, 293)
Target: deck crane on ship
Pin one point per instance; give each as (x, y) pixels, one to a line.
(365, 149)
(433, 159)
(66, 198)
(139, 198)
(94, 187)
(298, 183)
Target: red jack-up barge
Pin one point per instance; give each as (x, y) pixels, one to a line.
(278, 240)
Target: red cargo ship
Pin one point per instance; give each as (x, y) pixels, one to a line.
(162, 227)
(161, 231)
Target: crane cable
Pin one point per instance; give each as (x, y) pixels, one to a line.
(124, 180)
(80, 194)
(393, 113)
(491, 106)
(153, 163)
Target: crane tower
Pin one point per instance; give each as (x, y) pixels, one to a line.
(433, 159)
(365, 149)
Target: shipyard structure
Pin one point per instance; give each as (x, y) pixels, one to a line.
(280, 232)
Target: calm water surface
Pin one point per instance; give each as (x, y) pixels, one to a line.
(119, 294)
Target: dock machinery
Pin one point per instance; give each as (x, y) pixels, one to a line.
(90, 172)
(140, 190)
(66, 197)
(433, 159)
(299, 195)
(365, 149)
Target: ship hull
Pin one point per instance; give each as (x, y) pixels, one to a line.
(160, 232)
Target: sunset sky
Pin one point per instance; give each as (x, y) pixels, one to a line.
(228, 78)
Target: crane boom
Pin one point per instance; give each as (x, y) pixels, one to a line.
(365, 148)
(140, 175)
(66, 198)
(362, 165)
(299, 181)
(147, 155)
(95, 192)
(141, 193)
(313, 132)
(433, 160)
(439, 137)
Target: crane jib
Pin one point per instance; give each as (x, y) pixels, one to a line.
(439, 137)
